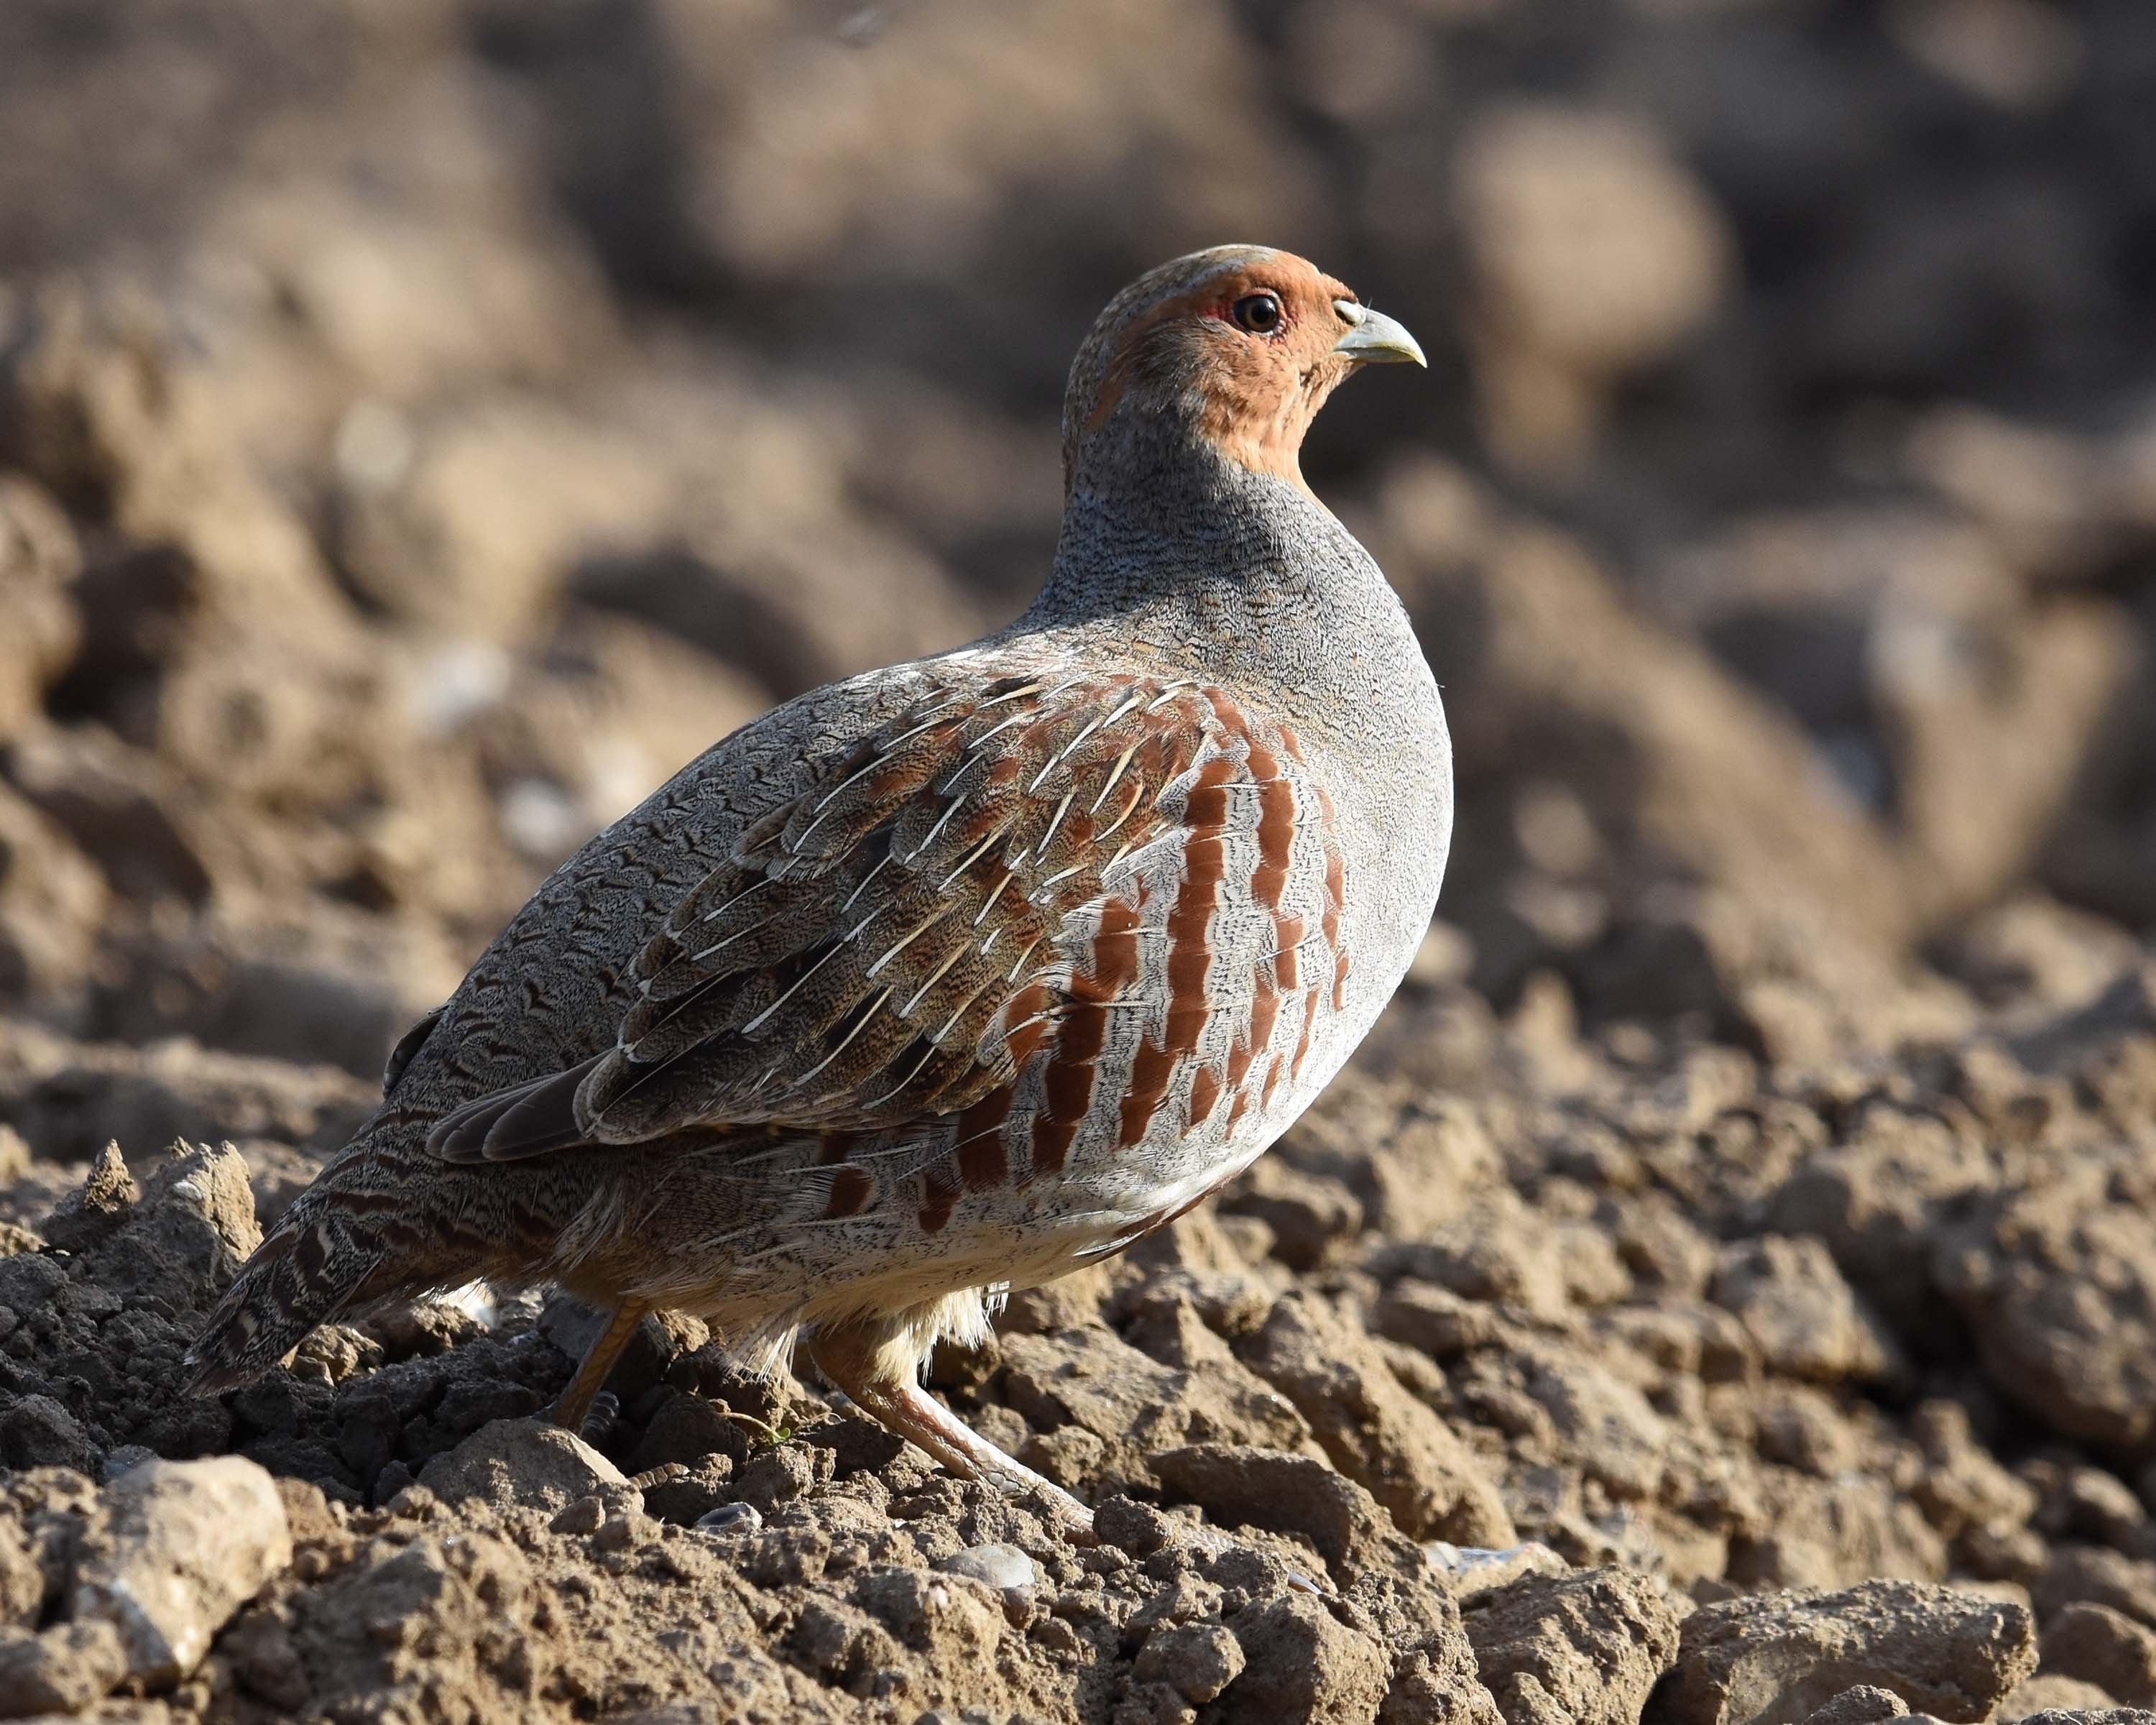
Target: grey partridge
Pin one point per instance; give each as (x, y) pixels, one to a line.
(949, 978)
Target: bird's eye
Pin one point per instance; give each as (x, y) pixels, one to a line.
(1258, 313)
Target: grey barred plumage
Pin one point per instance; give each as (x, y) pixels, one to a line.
(953, 976)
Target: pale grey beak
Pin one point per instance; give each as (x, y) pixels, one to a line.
(1374, 339)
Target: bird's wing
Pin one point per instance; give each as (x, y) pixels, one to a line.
(982, 884)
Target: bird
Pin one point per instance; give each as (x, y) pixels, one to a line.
(952, 978)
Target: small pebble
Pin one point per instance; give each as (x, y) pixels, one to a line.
(1136, 1527)
(414, 1500)
(731, 1518)
(123, 1460)
(1464, 1569)
(625, 1533)
(1004, 1566)
(585, 1516)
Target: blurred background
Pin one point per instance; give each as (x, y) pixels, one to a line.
(424, 424)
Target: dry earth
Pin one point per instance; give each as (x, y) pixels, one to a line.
(1723, 1291)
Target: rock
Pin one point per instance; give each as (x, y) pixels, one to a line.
(524, 1462)
(1619, 1439)
(184, 1239)
(2097, 1715)
(1130, 1526)
(1001, 1566)
(1876, 1199)
(1866, 1704)
(2104, 1647)
(186, 1545)
(1294, 1494)
(338, 996)
(687, 1428)
(1375, 1432)
(1584, 1649)
(779, 1477)
(1800, 1312)
(1466, 1571)
(1964, 1488)
(1311, 1214)
(586, 1515)
(2085, 1502)
(2092, 1574)
(2056, 1278)
(94, 1209)
(1554, 667)
(1197, 1660)
(1301, 1666)
(441, 543)
(1834, 1533)
(951, 1618)
(1089, 1378)
(146, 831)
(37, 1431)
(2045, 1695)
(1780, 1657)
(62, 1671)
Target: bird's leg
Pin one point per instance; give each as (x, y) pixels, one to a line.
(876, 1372)
(576, 1400)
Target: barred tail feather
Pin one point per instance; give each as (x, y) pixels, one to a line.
(314, 1263)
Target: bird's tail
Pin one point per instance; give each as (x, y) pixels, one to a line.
(341, 1245)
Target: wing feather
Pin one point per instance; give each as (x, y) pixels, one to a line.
(884, 947)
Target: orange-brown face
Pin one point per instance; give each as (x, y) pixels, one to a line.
(1245, 342)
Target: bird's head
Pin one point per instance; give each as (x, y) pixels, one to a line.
(1237, 346)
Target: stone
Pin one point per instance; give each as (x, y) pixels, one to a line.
(1130, 1526)
(62, 1671)
(36, 1431)
(1295, 1494)
(1465, 1571)
(1374, 1431)
(2105, 1578)
(1866, 1704)
(1585, 1649)
(184, 1545)
(1770, 1657)
(731, 1518)
(522, 1461)
(1301, 1666)
(1800, 1312)
(2103, 1647)
(1197, 1660)
(1000, 1565)
(2084, 1716)
(2057, 1696)
(2056, 1278)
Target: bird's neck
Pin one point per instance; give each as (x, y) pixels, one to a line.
(1186, 558)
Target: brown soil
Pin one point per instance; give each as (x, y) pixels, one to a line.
(1724, 1290)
